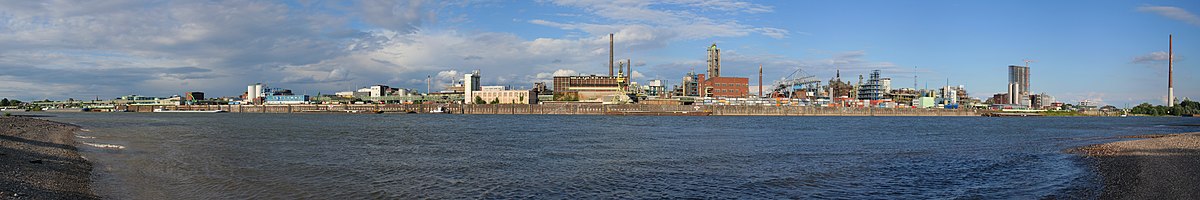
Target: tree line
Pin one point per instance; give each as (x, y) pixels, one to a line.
(1187, 107)
(14, 102)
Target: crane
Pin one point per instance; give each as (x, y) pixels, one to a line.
(787, 85)
(1027, 61)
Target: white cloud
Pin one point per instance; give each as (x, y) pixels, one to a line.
(1175, 13)
(1152, 58)
(643, 23)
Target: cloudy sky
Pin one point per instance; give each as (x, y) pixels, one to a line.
(1108, 51)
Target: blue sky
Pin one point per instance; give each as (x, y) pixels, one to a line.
(1106, 51)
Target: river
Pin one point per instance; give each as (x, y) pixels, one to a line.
(405, 156)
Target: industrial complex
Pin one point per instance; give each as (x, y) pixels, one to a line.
(712, 87)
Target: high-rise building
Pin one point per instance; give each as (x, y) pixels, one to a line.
(1018, 81)
(470, 85)
(714, 61)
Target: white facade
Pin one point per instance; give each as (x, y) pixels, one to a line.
(506, 96)
(887, 84)
(254, 92)
(470, 85)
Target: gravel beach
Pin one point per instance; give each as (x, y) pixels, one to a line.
(38, 160)
(1163, 166)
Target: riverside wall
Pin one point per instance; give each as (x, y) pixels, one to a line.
(570, 109)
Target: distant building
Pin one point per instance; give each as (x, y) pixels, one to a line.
(656, 88)
(505, 96)
(926, 102)
(1000, 98)
(470, 85)
(714, 61)
(1041, 101)
(193, 96)
(583, 88)
(254, 93)
(286, 99)
(1018, 84)
(728, 87)
(493, 88)
(691, 85)
(872, 89)
(886, 83)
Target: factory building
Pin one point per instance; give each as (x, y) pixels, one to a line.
(691, 85)
(656, 88)
(714, 61)
(872, 89)
(728, 87)
(286, 99)
(505, 96)
(254, 93)
(585, 88)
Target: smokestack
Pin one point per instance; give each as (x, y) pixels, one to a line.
(1171, 70)
(629, 70)
(610, 55)
(760, 92)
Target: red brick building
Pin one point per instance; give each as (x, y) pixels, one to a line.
(729, 87)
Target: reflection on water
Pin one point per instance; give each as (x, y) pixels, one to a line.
(290, 156)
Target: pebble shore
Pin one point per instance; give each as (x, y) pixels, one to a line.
(38, 160)
(1160, 166)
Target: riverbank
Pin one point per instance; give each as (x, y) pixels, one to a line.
(565, 109)
(40, 161)
(1162, 166)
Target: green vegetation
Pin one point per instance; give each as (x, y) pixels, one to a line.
(6, 114)
(14, 102)
(1187, 107)
(479, 100)
(495, 101)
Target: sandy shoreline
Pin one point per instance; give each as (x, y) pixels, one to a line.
(1161, 166)
(40, 161)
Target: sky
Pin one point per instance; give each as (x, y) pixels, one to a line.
(1111, 52)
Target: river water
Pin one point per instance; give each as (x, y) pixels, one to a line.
(397, 156)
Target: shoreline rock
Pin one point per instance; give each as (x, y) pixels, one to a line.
(38, 160)
(1158, 166)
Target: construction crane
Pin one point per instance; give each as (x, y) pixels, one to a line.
(1027, 61)
(786, 86)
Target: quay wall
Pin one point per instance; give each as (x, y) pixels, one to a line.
(570, 109)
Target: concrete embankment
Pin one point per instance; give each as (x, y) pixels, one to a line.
(575, 109)
(1161, 167)
(38, 160)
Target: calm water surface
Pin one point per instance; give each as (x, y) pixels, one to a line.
(330, 156)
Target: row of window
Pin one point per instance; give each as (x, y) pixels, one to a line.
(725, 90)
(501, 94)
(731, 84)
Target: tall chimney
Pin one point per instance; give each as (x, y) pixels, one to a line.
(629, 70)
(760, 92)
(610, 55)
(1171, 70)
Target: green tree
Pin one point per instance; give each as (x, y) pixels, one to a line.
(495, 101)
(4, 102)
(479, 100)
